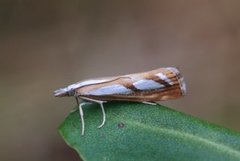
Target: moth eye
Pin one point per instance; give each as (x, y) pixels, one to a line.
(71, 92)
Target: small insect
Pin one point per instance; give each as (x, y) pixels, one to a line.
(147, 87)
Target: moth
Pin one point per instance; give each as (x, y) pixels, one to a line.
(147, 87)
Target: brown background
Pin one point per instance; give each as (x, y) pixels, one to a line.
(48, 44)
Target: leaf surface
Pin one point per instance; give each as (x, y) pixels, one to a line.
(136, 131)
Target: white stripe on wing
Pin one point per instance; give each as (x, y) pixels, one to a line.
(164, 77)
(109, 90)
(145, 84)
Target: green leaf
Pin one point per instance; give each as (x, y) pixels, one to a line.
(136, 131)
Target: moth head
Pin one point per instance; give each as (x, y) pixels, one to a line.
(62, 92)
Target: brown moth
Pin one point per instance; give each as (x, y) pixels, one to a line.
(147, 87)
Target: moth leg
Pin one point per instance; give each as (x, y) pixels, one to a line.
(104, 115)
(80, 104)
(81, 115)
(101, 105)
(149, 103)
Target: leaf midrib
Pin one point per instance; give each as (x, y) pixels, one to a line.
(182, 134)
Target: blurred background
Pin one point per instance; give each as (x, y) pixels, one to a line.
(49, 44)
